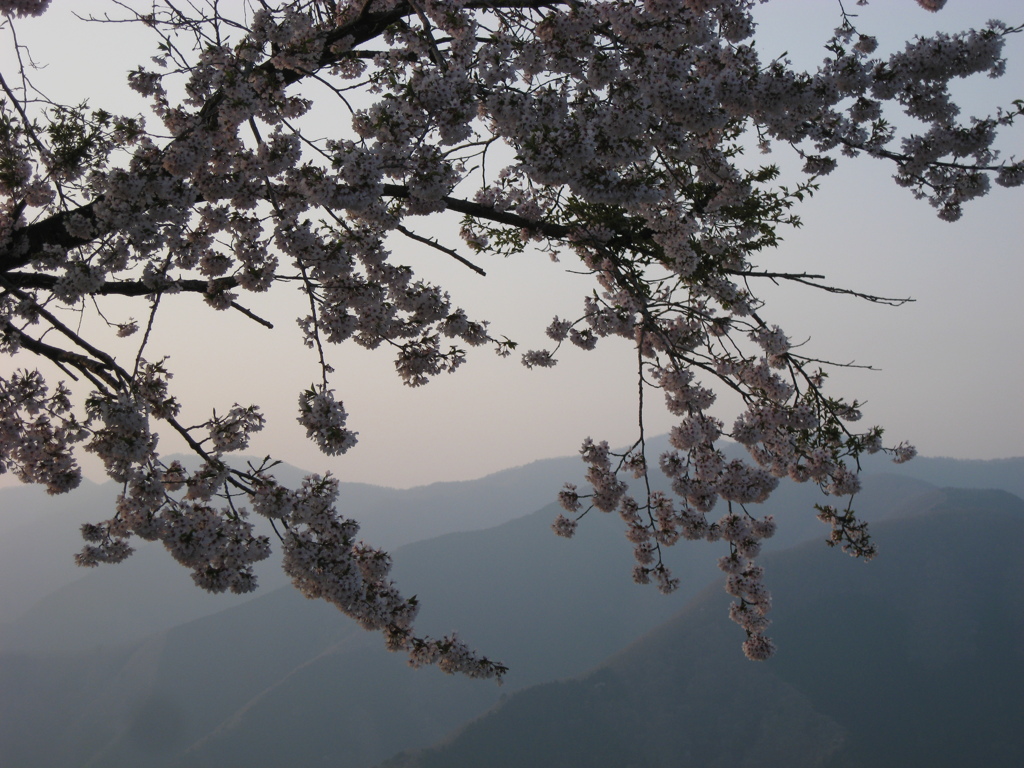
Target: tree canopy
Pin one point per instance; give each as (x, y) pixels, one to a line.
(617, 135)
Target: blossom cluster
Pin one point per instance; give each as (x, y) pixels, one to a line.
(324, 419)
(23, 7)
(38, 432)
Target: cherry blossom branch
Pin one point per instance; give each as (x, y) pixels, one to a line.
(40, 280)
(622, 128)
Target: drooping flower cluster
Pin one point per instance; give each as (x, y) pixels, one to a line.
(324, 419)
(325, 561)
(608, 130)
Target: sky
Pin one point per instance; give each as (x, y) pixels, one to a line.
(950, 367)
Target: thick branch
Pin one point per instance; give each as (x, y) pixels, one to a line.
(123, 287)
(59, 355)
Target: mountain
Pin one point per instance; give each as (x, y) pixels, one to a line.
(278, 677)
(221, 689)
(1003, 474)
(914, 660)
(210, 692)
(44, 592)
(39, 535)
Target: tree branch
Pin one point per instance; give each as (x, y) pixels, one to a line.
(60, 356)
(123, 287)
(436, 245)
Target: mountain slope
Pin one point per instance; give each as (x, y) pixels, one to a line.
(210, 692)
(916, 659)
(40, 536)
(44, 592)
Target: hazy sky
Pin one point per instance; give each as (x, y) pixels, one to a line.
(952, 369)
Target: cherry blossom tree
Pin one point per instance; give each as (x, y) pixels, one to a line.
(616, 134)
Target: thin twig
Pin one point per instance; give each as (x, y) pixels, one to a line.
(436, 245)
(251, 315)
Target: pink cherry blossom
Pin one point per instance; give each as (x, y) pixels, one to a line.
(604, 132)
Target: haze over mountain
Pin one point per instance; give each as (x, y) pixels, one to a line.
(44, 590)
(516, 591)
(39, 534)
(279, 680)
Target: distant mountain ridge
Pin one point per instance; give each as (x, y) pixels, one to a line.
(41, 580)
(37, 548)
(279, 680)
